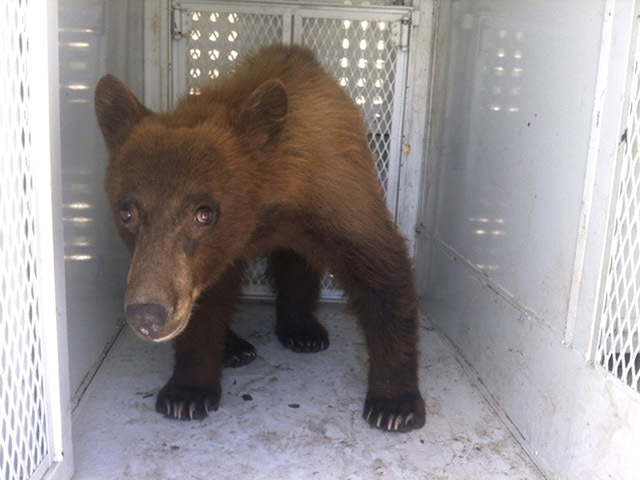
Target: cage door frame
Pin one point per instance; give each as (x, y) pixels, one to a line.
(611, 335)
(48, 182)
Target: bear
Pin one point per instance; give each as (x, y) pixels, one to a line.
(270, 161)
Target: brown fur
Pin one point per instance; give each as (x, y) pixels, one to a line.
(277, 153)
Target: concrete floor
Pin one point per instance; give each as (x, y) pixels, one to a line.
(303, 419)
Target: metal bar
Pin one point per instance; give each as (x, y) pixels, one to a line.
(397, 124)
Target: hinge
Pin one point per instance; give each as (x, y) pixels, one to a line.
(177, 21)
(400, 33)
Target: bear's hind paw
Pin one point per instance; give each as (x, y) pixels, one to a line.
(237, 351)
(238, 360)
(184, 403)
(308, 337)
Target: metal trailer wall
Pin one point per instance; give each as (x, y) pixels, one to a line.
(528, 252)
(95, 37)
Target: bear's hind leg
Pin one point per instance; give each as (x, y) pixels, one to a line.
(194, 388)
(298, 289)
(380, 287)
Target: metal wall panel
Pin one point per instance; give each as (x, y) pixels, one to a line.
(95, 37)
(513, 115)
(517, 217)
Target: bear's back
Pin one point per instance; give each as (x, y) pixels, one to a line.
(320, 114)
(296, 67)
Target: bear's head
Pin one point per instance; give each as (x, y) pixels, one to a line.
(184, 194)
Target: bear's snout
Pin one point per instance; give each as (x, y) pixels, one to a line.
(147, 318)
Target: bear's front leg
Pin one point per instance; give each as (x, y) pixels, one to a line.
(194, 388)
(200, 352)
(191, 394)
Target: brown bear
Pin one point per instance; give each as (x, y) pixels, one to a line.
(271, 161)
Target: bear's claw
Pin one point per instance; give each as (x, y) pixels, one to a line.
(397, 414)
(307, 337)
(304, 346)
(185, 403)
(239, 359)
(237, 351)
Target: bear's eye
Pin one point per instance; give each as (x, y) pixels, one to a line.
(126, 214)
(204, 216)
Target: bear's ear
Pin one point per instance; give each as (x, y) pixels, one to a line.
(263, 114)
(118, 110)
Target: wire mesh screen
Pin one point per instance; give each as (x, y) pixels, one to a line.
(619, 342)
(359, 53)
(216, 41)
(23, 443)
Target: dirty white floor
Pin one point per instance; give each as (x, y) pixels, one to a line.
(300, 417)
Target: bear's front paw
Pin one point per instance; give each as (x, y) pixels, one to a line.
(395, 414)
(187, 403)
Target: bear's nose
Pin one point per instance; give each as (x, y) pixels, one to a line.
(147, 318)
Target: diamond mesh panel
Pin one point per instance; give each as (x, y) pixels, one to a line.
(217, 41)
(256, 281)
(23, 443)
(619, 342)
(359, 54)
